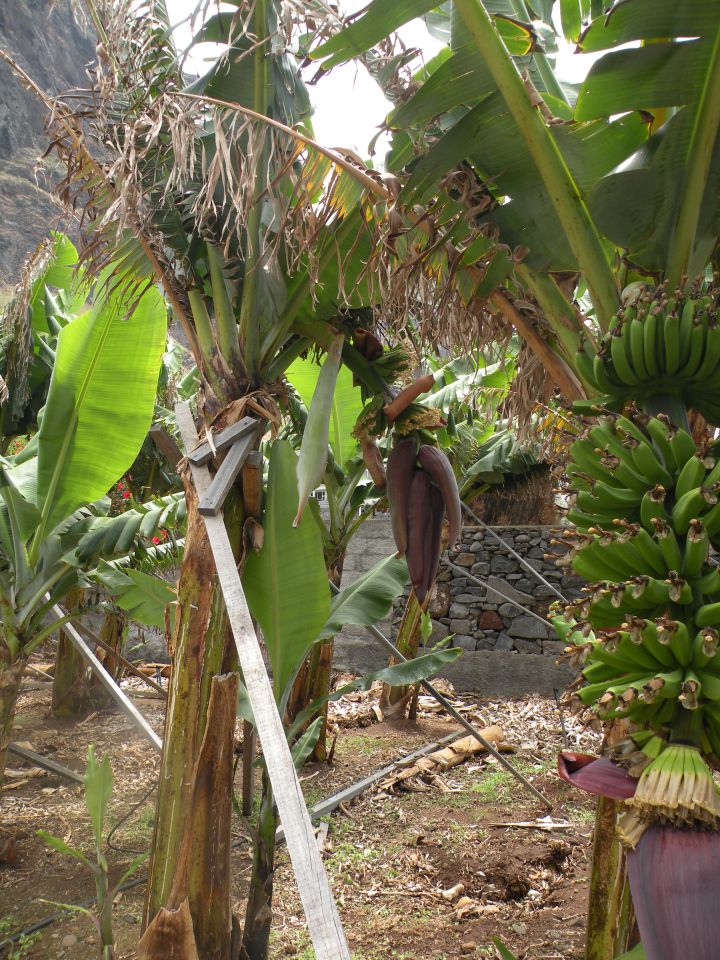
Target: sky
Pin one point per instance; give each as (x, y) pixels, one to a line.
(349, 106)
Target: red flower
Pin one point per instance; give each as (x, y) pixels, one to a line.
(156, 540)
(126, 495)
(120, 485)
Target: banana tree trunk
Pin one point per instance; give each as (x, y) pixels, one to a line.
(202, 877)
(71, 683)
(258, 914)
(198, 650)
(393, 700)
(611, 921)
(11, 675)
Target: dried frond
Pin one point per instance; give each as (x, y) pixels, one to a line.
(17, 333)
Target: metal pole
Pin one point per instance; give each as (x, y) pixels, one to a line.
(126, 705)
(455, 714)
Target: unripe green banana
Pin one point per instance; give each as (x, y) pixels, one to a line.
(697, 545)
(691, 506)
(673, 634)
(621, 354)
(584, 455)
(697, 348)
(711, 357)
(584, 366)
(629, 427)
(671, 336)
(705, 647)
(652, 507)
(651, 359)
(647, 463)
(604, 380)
(690, 690)
(708, 615)
(709, 583)
(660, 434)
(691, 476)
(637, 348)
(668, 544)
(646, 635)
(650, 552)
(682, 446)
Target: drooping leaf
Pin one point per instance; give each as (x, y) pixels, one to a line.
(367, 599)
(105, 374)
(346, 407)
(400, 674)
(305, 745)
(57, 844)
(286, 582)
(144, 597)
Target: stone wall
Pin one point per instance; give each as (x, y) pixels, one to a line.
(506, 652)
(481, 619)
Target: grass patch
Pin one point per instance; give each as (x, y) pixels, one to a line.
(359, 744)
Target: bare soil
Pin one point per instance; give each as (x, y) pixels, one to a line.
(431, 872)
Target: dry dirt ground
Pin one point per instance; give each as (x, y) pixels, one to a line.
(427, 873)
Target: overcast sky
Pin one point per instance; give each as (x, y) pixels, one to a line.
(349, 106)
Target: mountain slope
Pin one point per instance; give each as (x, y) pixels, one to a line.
(54, 48)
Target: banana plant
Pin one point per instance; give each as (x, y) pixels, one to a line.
(46, 490)
(595, 191)
(287, 576)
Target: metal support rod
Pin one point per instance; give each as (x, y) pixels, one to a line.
(91, 635)
(514, 553)
(455, 714)
(124, 702)
(37, 760)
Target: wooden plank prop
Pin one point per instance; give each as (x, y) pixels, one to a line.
(324, 924)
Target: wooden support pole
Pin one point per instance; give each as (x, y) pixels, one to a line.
(325, 928)
(214, 497)
(165, 444)
(205, 452)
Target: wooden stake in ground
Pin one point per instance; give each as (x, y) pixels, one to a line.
(324, 924)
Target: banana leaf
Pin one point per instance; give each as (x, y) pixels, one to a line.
(101, 400)
(144, 597)
(367, 599)
(346, 407)
(286, 582)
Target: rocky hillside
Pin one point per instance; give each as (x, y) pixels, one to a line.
(54, 48)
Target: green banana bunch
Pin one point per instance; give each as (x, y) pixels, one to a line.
(660, 342)
(647, 520)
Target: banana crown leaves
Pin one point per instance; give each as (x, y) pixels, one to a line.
(286, 582)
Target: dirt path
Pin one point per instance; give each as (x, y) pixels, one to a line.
(426, 873)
